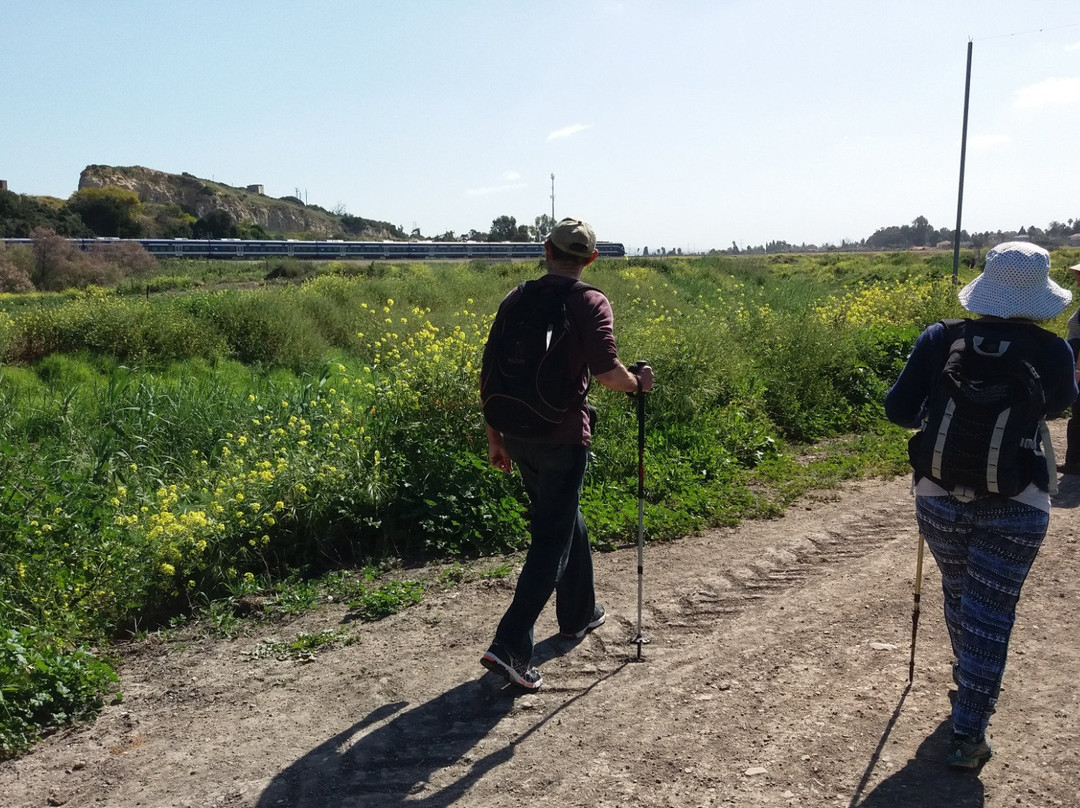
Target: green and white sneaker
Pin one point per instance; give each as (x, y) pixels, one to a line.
(967, 752)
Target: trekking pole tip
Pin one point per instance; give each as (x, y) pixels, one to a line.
(639, 641)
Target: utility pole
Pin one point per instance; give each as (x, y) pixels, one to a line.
(553, 199)
(963, 154)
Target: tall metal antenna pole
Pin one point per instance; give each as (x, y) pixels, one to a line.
(553, 198)
(963, 155)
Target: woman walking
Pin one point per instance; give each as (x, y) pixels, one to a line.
(984, 533)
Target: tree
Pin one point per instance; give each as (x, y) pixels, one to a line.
(543, 224)
(109, 211)
(890, 238)
(217, 223)
(53, 257)
(172, 221)
(921, 231)
(353, 225)
(504, 228)
(253, 230)
(20, 214)
(16, 264)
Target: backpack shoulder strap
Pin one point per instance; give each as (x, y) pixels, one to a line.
(1042, 333)
(954, 324)
(576, 286)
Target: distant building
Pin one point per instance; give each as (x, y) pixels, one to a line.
(256, 189)
(1074, 240)
(3, 185)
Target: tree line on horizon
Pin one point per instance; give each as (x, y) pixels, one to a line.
(920, 234)
(113, 212)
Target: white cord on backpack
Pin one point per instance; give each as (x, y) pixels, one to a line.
(1048, 453)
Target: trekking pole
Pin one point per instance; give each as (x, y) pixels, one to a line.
(640, 639)
(915, 609)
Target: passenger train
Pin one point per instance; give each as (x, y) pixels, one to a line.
(329, 250)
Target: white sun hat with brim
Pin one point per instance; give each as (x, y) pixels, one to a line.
(1016, 283)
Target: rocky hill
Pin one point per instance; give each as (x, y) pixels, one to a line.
(287, 216)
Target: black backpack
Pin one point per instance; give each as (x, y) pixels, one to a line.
(984, 413)
(525, 381)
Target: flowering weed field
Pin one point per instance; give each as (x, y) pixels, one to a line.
(165, 455)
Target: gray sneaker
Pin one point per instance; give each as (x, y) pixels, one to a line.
(599, 615)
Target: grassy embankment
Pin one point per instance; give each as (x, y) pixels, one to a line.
(170, 454)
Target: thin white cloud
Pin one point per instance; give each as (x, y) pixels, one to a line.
(988, 141)
(1073, 47)
(567, 131)
(1050, 92)
(510, 176)
(494, 189)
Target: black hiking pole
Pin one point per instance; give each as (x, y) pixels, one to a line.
(640, 639)
(915, 609)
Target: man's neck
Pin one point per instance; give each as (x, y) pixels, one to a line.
(565, 270)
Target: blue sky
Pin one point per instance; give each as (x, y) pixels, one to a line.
(682, 123)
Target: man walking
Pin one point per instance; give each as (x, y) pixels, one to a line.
(552, 464)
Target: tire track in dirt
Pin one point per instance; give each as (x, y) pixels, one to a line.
(760, 564)
(763, 561)
(778, 647)
(689, 668)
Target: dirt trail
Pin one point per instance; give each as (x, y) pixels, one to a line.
(776, 675)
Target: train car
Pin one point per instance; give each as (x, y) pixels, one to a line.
(334, 249)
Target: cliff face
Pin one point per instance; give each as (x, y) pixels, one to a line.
(198, 197)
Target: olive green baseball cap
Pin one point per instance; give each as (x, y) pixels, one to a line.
(574, 237)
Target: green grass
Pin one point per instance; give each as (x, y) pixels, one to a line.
(173, 454)
(304, 646)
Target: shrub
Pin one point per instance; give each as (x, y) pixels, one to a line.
(264, 327)
(228, 446)
(43, 685)
(13, 278)
(126, 259)
(59, 264)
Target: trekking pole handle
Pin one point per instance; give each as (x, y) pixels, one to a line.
(636, 370)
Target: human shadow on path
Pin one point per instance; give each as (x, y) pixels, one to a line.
(387, 758)
(925, 781)
(1068, 495)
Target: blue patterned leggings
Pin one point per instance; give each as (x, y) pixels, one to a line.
(984, 550)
